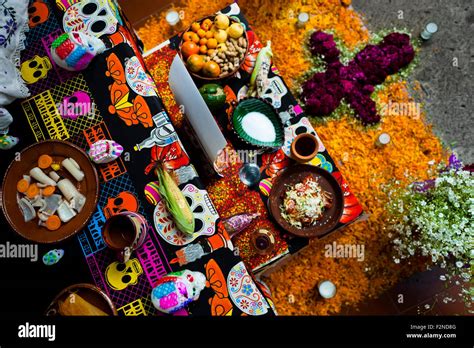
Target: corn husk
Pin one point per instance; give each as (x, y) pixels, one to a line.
(78, 306)
(176, 203)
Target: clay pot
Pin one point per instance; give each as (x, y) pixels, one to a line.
(304, 147)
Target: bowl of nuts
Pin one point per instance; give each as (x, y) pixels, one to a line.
(214, 47)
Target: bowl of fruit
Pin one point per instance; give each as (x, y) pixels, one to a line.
(214, 47)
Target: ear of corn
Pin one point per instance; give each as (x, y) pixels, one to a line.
(176, 203)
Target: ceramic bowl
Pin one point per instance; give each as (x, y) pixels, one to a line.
(89, 187)
(88, 292)
(251, 104)
(294, 175)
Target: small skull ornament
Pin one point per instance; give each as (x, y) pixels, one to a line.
(35, 69)
(176, 290)
(75, 50)
(76, 105)
(38, 13)
(120, 275)
(94, 17)
(105, 151)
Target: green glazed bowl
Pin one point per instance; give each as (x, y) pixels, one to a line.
(250, 104)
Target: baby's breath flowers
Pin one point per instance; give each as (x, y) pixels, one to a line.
(435, 219)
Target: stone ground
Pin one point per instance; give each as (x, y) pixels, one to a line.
(445, 72)
(446, 61)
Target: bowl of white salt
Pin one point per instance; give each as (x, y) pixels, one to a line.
(256, 122)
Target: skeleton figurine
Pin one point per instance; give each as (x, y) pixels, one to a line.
(176, 290)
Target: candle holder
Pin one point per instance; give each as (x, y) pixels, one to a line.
(262, 241)
(430, 29)
(326, 289)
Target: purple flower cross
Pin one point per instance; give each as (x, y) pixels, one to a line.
(323, 92)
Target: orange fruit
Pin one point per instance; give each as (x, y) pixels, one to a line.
(206, 24)
(201, 33)
(195, 62)
(212, 43)
(203, 49)
(203, 41)
(189, 48)
(195, 27)
(195, 37)
(188, 36)
(211, 69)
(210, 51)
(209, 34)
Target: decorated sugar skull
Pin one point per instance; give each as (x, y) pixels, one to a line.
(38, 13)
(120, 275)
(125, 201)
(35, 69)
(176, 290)
(105, 151)
(76, 105)
(75, 50)
(94, 17)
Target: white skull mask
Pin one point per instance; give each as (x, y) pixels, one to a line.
(94, 17)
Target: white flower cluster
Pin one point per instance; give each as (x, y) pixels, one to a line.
(438, 223)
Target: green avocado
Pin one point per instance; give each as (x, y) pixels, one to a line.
(214, 95)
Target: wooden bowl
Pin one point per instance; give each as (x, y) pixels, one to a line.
(89, 187)
(296, 174)
(205, 78)
(88, 292)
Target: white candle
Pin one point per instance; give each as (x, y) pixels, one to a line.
(429, 30)
(172, 17)
(383, 139)
(303, 18)
(327, 289)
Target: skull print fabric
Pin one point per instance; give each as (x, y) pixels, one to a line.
(112, 110)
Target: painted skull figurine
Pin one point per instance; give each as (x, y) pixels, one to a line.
(125, 201)
(75, 105)
(75, 50)
(38, 13)
(176, 290)
(94, 17)
(35, 69)
(120, 275)
(105, 151)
